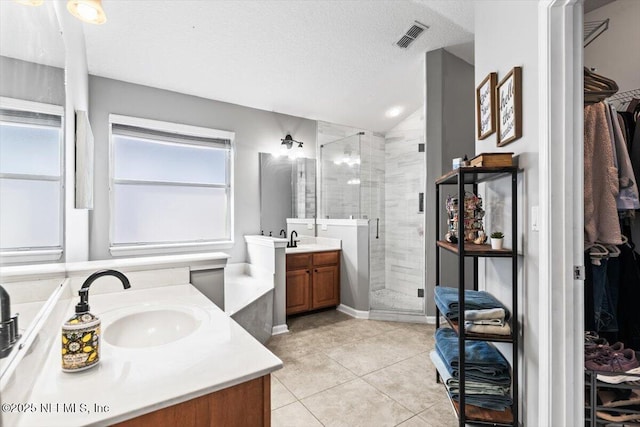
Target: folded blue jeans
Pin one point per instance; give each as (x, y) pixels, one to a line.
(446, 299)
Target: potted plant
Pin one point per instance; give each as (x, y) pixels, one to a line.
(496, 240)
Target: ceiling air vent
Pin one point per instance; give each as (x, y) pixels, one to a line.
(412, 33)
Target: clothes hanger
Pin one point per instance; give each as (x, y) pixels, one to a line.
(597, 252)
(597, 88)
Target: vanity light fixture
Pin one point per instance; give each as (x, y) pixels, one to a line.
(287, 144)
(89, 11)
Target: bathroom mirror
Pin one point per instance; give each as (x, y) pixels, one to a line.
(287, 190)
(32, 99)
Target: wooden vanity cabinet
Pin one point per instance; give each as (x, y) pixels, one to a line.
(313, 281)
(245, 404)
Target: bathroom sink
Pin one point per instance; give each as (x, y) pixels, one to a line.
(151, 327)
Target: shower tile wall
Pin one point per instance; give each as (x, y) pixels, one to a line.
(404, 179)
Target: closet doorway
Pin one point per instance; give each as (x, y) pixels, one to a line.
(611, 200)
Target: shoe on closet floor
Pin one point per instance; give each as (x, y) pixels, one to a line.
(620, 361)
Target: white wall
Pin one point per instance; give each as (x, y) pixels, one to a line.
(507, 36)
(255, 131)
(615, 53)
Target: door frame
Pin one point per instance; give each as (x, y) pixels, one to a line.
(561, 313)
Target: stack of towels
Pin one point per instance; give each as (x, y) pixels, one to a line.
(487, 372)
(483, 314)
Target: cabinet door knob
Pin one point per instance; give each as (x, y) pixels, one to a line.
(316, 270)
(308, 271)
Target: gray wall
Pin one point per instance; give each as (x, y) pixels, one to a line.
(256, 131)
(450, 133)
(31, 81)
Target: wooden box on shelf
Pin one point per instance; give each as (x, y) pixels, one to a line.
(492, 159)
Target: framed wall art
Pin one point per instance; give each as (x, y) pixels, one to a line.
(509, 97)
(486, 106)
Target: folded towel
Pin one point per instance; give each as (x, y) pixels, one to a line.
(447, 301)
(494, 322)
(486, 314)
(483, 362)
(504, 329)
(471, 387)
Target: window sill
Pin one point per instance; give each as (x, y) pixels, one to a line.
(17, 257)
(175, 248)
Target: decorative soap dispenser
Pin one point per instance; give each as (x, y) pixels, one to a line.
(81, 333)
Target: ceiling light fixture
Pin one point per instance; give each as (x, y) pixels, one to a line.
(394, 111)
(89, 11)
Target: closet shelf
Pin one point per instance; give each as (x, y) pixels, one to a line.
(479, 337)
(473, 250)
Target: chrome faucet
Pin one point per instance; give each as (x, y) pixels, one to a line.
(293, 243)
(283, 233)
(8, 325)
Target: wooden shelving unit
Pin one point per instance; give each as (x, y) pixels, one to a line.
(460, 178)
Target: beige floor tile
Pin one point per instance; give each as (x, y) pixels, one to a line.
(365, 356)
(354, 404)
(440, 415)
(415, 422)
(280, 396)
(380, 351)
(311, 373)
(413, 389)
(293, 415)
(322, 318)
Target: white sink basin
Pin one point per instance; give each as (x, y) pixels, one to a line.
(150, 328)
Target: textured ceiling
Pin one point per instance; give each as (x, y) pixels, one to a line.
(31, 33)
(326, 60)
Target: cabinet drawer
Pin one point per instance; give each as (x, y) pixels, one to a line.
(326, 258)
(298, 261)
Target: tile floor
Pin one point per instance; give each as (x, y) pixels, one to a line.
(341, 371)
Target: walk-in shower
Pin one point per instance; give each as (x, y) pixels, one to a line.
(381, 178)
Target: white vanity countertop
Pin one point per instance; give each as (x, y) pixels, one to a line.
(315, 244)
(129, 382)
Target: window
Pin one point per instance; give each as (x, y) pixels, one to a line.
(31, 181)
(170, 186)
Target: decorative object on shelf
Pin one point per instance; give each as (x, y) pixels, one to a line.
(496, 240)
(474, 213)
(509, 96)
(492, 160)
(456, 163)
(486, 106)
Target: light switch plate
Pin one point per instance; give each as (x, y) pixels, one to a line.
(535, 226)
(324, 227)
(309, 226)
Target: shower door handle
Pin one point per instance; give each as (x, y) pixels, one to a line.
(377, 228)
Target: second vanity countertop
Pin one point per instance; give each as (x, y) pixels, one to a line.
(129, 382)
(315, 244)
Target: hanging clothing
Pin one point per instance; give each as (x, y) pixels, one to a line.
(601, 186)
(627, 198)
